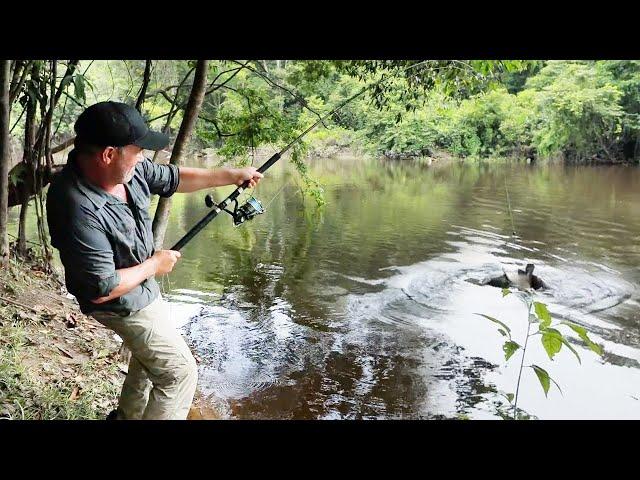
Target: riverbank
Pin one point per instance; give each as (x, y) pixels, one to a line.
(55, 362)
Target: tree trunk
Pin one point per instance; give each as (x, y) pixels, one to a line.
(5, 109)
(27, 182)
(145, 84)
(184, 135)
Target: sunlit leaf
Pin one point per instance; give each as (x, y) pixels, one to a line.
(542, 313)
(551, 341)
(543, 377)
(582, 333)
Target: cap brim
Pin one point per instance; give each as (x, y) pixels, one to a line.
(153, 141)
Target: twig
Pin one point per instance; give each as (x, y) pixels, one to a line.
(64, 351)
(6, 300)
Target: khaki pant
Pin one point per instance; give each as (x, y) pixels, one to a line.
(162, 376)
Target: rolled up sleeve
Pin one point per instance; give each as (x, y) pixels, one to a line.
(162, 180)
(89, 260)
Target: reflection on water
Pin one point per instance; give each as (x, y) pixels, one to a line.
(366, 308)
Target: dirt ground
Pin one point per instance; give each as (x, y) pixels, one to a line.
(55, 362)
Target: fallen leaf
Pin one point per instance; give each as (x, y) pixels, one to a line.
(75, 393)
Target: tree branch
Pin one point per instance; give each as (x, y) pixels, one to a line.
(297, 97)
(215, 124)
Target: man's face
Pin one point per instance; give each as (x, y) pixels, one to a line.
(124, 164)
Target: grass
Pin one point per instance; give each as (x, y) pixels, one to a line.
(26, 393)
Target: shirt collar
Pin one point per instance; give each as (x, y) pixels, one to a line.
(96, 195)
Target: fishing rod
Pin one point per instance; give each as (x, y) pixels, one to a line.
(253, 207)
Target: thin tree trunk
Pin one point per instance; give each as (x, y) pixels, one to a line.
(145, 84)
(39, 164)
(16, 87)
(184, 135)
(16, 72)
(5, 109)
(27, 177)
(47, 114)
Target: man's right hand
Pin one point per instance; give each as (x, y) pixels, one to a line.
(165, 260)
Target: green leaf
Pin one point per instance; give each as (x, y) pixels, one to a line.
(582, 333)
(16, 174)
(78, 85)
(508, 396)
(564, 340)
(556, 384)
(505, 292)
(543, 377)
(551, 341)
(66, 81)
(595, 347)
(502, 332)
(495, 320)
(542, 313)
(509, 349)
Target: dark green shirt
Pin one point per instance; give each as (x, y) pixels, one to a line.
(97, 233)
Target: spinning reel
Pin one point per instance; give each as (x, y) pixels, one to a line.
(251, 208)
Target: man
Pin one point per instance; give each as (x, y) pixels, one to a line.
(98, 220)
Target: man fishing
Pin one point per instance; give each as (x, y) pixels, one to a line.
(97, 211)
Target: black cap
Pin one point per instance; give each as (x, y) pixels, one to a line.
(114, 124)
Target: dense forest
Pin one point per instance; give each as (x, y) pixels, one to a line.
(572, 111)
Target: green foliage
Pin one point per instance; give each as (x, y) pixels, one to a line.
(544, 378)
(478, 108)
(495, 320)
(581, 110)
(510, 348)
(551, 340)
(543, 314)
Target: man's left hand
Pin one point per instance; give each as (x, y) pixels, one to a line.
(247, 173)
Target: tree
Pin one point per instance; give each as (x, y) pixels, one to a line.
(184, 135)
(5, 109)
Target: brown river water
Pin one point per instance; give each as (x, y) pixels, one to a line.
(366, 307)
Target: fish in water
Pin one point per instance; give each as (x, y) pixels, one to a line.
(522, 279)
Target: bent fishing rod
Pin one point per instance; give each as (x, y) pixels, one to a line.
(253, 207)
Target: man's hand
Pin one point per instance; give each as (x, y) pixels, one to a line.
(165, 260)
(248, 173)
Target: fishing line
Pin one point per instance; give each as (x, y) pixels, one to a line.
(513, 228)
